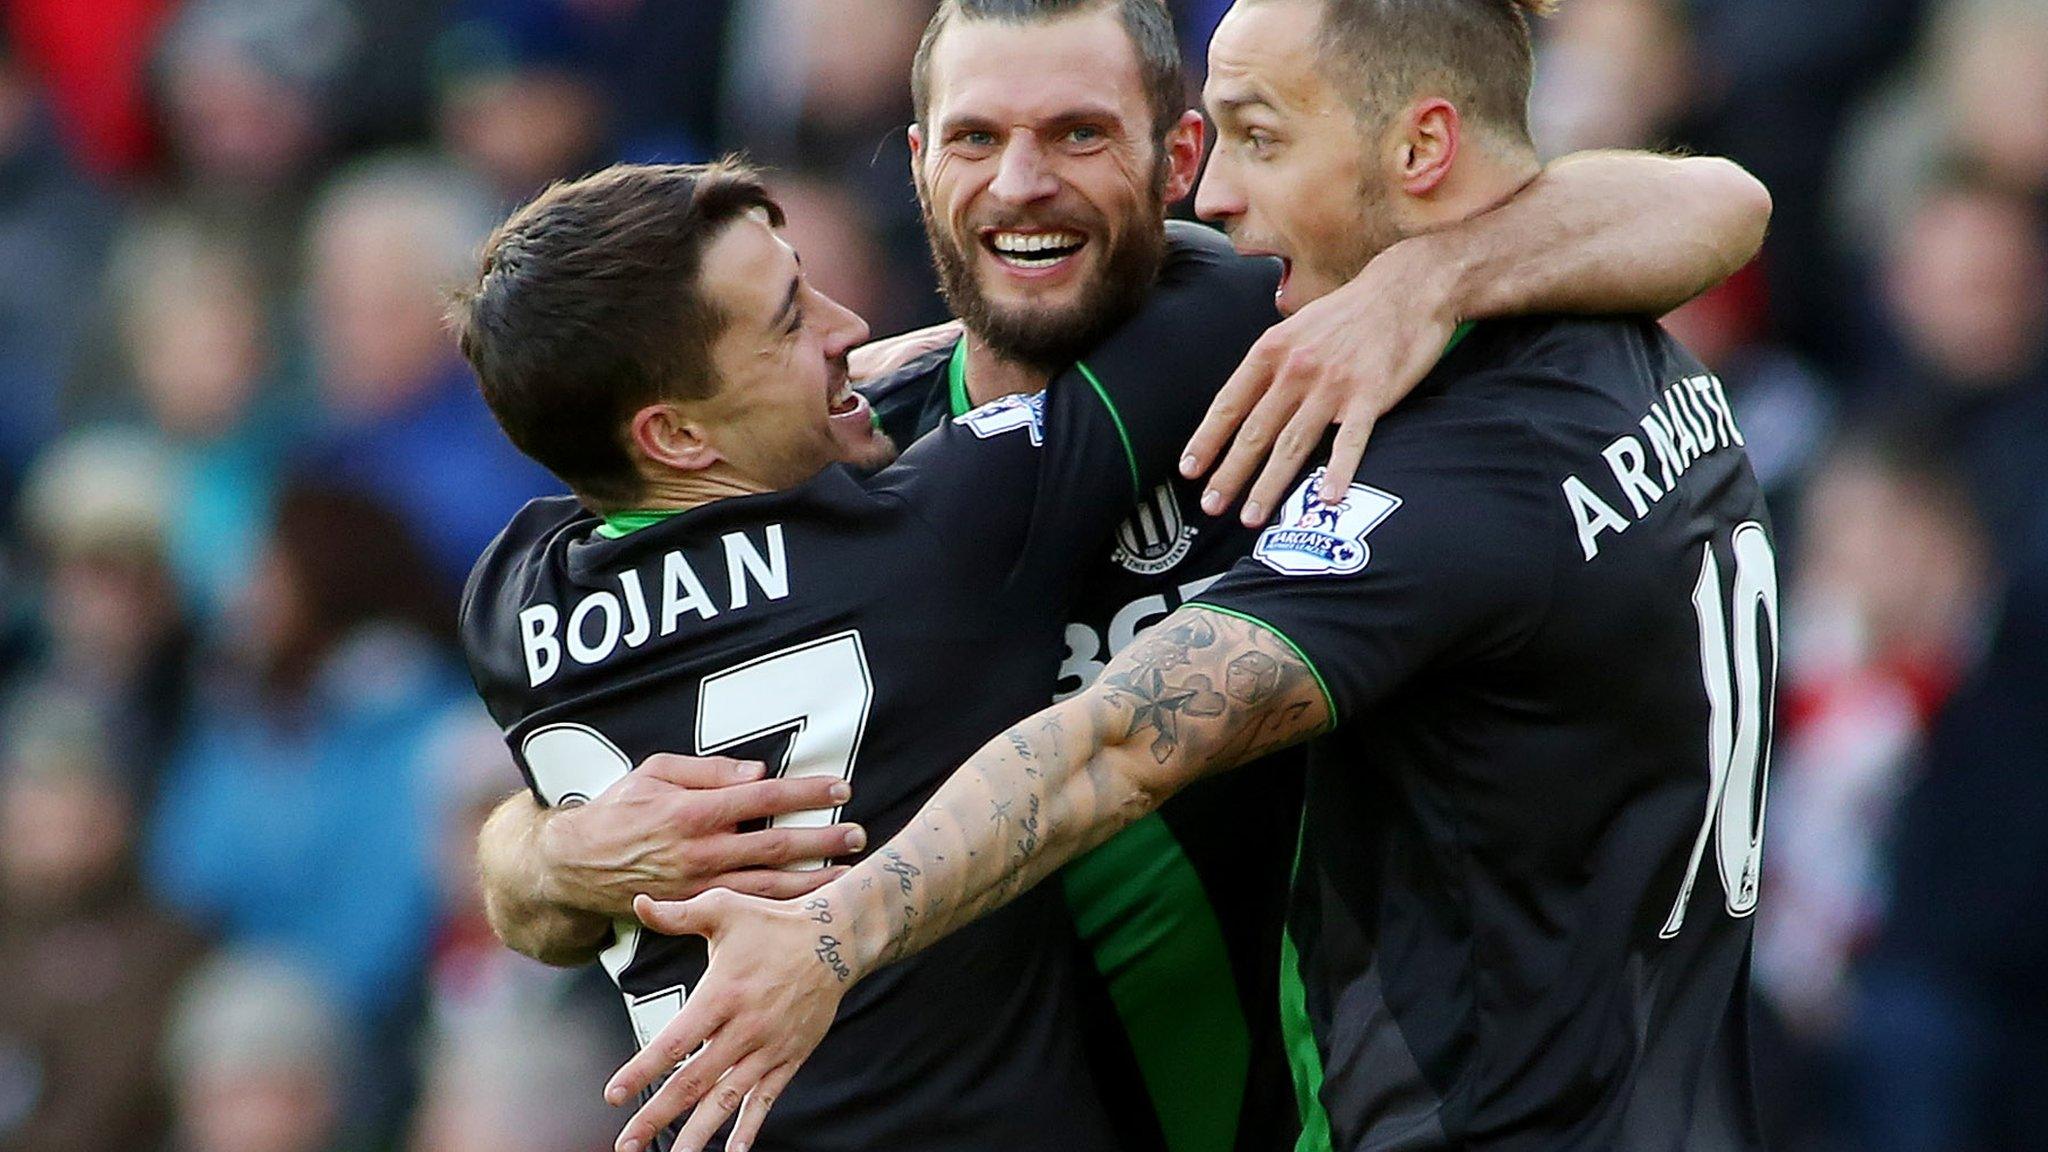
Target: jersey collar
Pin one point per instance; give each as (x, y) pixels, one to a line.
(617, 524)
(956, 379)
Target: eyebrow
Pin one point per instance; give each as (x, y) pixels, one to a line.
(1087, 111)
(1236, 104)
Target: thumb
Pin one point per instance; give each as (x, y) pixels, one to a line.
(697, 916)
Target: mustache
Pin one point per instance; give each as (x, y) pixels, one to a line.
(1019, 220)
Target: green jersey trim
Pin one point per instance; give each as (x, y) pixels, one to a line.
(961, 404)
(1323, 685)
(1304, 1059)
(1139, 905)
(956, 381)
(1122, 433)
(1458, 337)
(617, 524)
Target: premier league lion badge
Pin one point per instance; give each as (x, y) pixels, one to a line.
(1311, 538)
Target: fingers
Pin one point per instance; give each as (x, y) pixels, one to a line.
(672, 1045)
(700, 771)
(696, 916)
(1245, 388)
(1291, 451)
(762, 799)
(777, 883)
(1254, 440)
(778, 847)
(725, 1098)
(755, 1110)
(1353, 431)
(694, 1080)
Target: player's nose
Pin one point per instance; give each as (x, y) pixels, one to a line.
(1218, 198)
(844, 328)
(1023, 171)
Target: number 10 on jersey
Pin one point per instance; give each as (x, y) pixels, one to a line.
(1739, 662)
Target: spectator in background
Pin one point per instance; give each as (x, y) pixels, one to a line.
(841, 254)
(199, 360)
(93, 61)
(663, 65)
(1968, 292)
(88, 964)
(295, 817)
(1977, 98)
(1776, 86)
(1949, 1040)
(818, 86)
(520, 102)
(1887, 617)
(245, 88)
(407, 423)
(259, 1057)
(1613, 74)
(96, 508)
(513, 1047)
(53, 238)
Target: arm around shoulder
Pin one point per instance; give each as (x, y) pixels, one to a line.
(1603, 232)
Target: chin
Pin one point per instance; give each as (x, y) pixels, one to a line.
(867, 450)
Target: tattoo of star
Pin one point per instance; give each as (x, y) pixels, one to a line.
(1160, 706)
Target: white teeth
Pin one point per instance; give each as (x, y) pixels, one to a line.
(1021, 243)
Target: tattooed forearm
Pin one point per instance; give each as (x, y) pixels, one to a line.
(1199, 693)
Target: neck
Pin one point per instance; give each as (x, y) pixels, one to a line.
(991, 377)
(682, 491)
(1481, 181)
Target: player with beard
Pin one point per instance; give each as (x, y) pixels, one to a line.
(1537, 642)
(1042, 189)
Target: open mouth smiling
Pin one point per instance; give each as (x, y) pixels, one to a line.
(1033, 251)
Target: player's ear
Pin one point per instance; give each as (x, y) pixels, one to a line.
(1183, 146)
(1430, 135)
(915, 134)
(663, 438)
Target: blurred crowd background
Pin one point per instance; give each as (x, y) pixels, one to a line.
(245, 472)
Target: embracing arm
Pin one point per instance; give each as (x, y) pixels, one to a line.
(525, 908)
(1201, 692)
(554, 879)
(1602, 232)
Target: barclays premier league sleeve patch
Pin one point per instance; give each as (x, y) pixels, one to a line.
(1311, 538)
(1008, 414)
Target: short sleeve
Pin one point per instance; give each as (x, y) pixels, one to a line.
(1442, 552)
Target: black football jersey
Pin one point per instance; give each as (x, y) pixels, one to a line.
(1181, 915)
(1546, 620)
(877, 629)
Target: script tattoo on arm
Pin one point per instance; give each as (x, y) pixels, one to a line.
(1199, 693)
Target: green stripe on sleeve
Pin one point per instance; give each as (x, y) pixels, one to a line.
(1328, 700)
(1304, 1059)
(1116, 418)
(1141, 909)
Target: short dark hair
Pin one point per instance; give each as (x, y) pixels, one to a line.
(587, 306)
(1475, 53)
(1147, 22)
